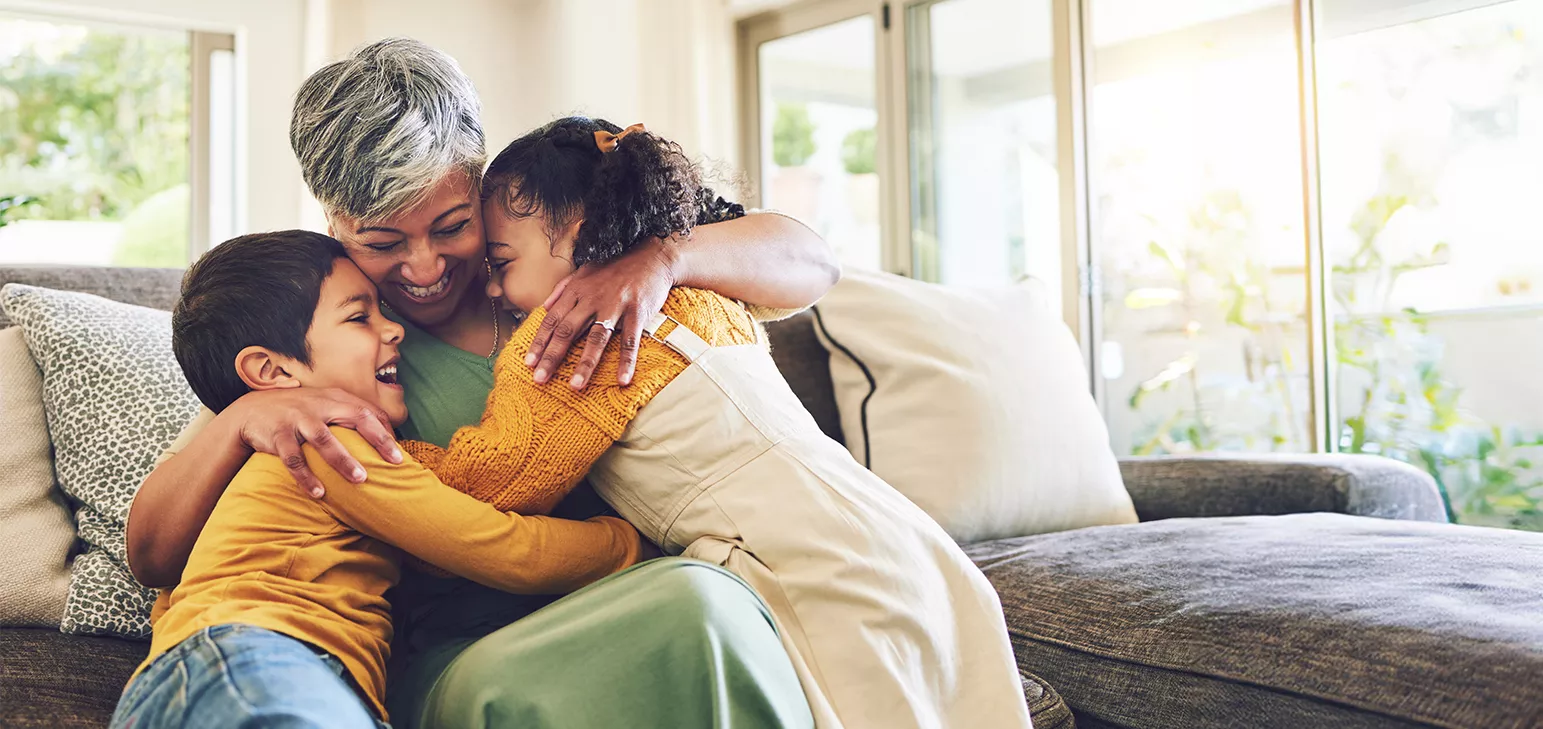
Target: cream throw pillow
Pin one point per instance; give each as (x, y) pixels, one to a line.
(36, 532)
(974, 403)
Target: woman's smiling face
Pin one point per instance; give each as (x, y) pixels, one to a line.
(426, 260)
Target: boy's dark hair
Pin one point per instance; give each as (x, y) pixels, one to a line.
(256, 290)
(647, 187)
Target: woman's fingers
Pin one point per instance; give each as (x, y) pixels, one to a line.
(564, 333)
(557, 309)
(631, 337)
(332, 451)
(294, 461)
(594, 346)
(375, 427)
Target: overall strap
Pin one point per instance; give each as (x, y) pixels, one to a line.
(680, 339)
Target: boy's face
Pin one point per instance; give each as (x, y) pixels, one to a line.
(353, 347)
(527, 263)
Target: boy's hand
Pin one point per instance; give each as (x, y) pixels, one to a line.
(620, 294)
(277, 422)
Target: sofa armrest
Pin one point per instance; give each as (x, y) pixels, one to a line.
(1165, 487)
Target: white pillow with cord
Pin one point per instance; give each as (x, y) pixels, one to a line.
(974, 403)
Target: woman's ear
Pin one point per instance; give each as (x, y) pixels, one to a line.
(262, 369)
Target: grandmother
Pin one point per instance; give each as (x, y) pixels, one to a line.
(390, 142)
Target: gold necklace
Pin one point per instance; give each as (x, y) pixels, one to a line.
(494, 303)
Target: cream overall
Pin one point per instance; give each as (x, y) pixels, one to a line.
(888, 623)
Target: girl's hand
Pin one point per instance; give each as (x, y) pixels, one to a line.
(277, 422)
(620, 295)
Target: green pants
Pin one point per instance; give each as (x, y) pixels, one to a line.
(669, 643)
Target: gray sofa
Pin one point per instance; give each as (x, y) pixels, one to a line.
(1296, 591)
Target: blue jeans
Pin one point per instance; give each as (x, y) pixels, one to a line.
(243, 677)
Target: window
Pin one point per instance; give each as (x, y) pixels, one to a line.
(819, 131)
(1286, 225)
(983, 147)
(105, 159)
(1431, 141)
(1195, 172)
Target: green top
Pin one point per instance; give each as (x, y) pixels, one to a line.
(445, 386)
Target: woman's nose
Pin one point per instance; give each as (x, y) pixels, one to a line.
(494, 290)
(423, 267)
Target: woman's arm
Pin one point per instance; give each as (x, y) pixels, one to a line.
(176, 499)
(765, 259)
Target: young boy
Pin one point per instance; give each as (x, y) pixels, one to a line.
(280, 616)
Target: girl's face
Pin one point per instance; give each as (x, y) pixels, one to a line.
(427, 260)
(527, 261)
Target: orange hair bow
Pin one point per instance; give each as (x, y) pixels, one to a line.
(608, 142)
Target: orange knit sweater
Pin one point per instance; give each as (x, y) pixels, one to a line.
(536, 442)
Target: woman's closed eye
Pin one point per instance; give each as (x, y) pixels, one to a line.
(383, 247)
(453, 230)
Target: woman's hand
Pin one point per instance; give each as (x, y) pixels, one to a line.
(619, 295)
(277, 422)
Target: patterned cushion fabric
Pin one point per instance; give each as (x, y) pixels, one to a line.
(114, 398)
(1279, 621)
(35, 528)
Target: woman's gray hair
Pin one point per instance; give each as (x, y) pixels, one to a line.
(375, 131)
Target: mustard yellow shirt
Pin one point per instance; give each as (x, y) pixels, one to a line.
(316, 570)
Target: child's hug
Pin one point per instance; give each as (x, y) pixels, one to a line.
(709, 454)
(280, 618)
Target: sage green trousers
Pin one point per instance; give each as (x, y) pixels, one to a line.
(671, 643)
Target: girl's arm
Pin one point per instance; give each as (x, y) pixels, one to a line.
(535, 442)
(176, 499)
(768, 260)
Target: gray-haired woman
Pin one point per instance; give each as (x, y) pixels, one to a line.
(390, 141)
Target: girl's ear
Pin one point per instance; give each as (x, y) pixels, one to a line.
(566, 238)
(263, 369)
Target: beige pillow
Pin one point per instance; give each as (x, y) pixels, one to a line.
(36, 532)
(974, 403)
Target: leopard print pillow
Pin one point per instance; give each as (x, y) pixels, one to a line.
(114, 397)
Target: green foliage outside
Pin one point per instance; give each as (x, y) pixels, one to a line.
(792, 135)
(155, 235)
(859, 152)
(94, 124)
(9, 204)
(1395, 398)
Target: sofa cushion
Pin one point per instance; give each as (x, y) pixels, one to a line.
(1280, 621)
(36, 532)
(974, 403)
(156, 288)
(50, 680)
(806, 366)
(114, 398)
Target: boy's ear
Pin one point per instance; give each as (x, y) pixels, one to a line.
(263, 369)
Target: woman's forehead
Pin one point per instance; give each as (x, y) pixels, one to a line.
(446, 201)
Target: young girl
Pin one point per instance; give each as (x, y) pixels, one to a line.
(710, 454)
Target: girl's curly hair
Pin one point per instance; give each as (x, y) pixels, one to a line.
(646, 188)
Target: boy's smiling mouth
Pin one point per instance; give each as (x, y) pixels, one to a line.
(386, 373)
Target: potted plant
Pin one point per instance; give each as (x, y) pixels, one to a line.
(794, 187)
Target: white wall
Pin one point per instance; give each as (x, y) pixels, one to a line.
(666, 63)
(268, 42)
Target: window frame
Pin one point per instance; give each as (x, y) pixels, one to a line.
(203, 40)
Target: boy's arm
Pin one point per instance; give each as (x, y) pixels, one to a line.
(405, 505)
